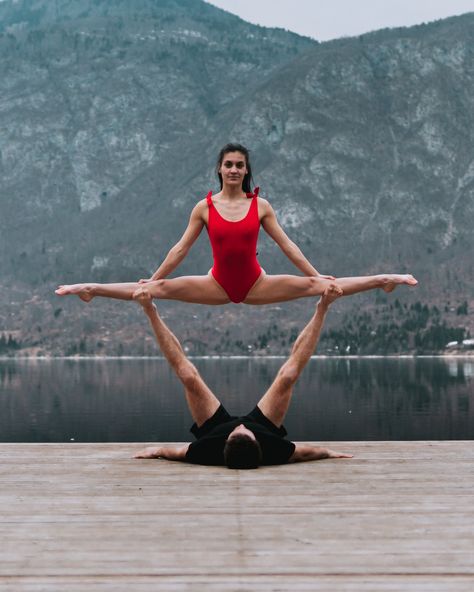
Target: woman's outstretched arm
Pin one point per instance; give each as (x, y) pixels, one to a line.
(177, 253)
(292, 251)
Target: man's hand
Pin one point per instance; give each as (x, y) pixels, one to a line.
(331, 293)
(306, 452)
(143, 297)
(150, 452)
(334, 454)
(145, 281)
(167, 452)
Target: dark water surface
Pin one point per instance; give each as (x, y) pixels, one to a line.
(129, 400)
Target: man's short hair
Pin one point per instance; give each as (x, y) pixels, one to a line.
(242, 452)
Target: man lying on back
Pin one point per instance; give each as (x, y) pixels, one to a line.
(245, 442)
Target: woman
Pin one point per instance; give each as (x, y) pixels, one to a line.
(236, 276)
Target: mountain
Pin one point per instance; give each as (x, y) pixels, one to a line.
(112, 115)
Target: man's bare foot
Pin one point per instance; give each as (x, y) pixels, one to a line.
(142, 296)
(150, 452)
(391, 281)
(331, 293)
(84, 291)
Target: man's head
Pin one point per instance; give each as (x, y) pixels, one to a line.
(242, 450)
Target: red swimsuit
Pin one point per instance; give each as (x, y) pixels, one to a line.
(234, 248)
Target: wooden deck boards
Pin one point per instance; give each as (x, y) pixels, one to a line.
(399, 516)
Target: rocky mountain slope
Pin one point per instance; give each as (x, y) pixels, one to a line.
(112, 114)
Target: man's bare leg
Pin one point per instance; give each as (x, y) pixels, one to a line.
(275, 402)
(201, 400)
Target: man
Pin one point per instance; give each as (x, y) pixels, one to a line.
(251, 440)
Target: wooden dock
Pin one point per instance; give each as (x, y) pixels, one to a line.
(88, 517)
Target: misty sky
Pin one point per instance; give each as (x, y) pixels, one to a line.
(329, 19)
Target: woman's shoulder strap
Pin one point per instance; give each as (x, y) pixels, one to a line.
(209, 198)
(254, 194)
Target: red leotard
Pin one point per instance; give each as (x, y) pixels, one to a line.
(234, 248)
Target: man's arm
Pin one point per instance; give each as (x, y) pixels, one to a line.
(168, 452)
(306, 452)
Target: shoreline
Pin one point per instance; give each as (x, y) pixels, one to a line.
(240, 357)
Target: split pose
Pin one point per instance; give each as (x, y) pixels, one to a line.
(233, 218)
(257, 438)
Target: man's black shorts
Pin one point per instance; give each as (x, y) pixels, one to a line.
(222, 416)
(208, 449)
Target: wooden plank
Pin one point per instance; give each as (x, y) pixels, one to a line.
(89, 517)
(352, 583)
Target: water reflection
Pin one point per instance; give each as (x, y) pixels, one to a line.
(141, 400)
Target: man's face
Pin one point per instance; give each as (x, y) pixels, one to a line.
(243, 431)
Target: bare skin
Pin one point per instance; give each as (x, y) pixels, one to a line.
(232, 203)
(267, 289)
(274, 404)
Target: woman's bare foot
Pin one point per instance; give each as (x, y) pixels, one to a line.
(84, 291)
(391, 281)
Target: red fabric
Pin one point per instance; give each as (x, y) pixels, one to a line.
(234, 248)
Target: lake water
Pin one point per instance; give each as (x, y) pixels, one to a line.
(128, 400)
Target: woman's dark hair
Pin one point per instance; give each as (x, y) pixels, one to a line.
(242, 452)
(248, 181)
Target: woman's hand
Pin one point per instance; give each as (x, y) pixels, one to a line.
(326, 277)
(148, 281)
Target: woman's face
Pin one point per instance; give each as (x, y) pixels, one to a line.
(233, 168)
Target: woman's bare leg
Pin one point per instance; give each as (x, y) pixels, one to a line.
(386, 281)
(86, 292)
(280, 288)
(195, 289)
